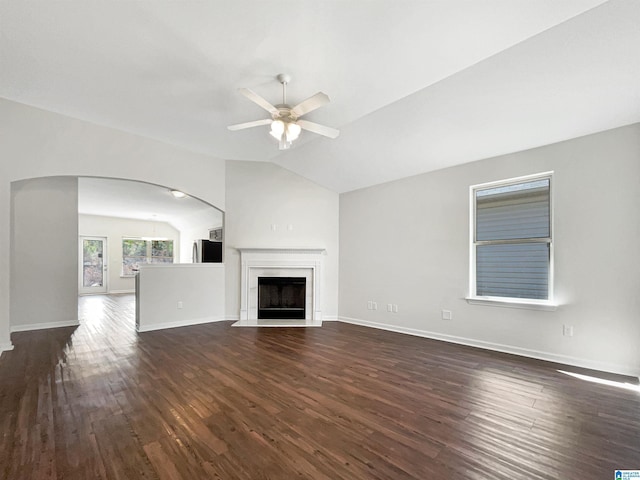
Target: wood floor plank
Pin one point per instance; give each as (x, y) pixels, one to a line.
(338, 402)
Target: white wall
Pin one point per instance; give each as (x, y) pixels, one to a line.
(404, 242)
(35, 143)
(260, 195)
(44, 253)
(115, 229)
(198, 287)
(407, 243)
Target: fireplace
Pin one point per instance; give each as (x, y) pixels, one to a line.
(280, 266)
(281, 297)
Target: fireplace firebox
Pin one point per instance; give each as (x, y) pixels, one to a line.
(281, 297)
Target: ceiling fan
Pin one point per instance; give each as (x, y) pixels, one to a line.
(285, 120)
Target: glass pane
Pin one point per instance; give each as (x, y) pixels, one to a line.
(130, 265)
(92, 253)
(134, 248)
(161, 260)
(162, 248)
(513, 211)
(513, 270)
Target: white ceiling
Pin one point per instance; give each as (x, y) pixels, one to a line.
(143, 201)
(416, 85)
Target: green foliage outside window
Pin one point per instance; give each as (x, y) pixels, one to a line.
(136, 252)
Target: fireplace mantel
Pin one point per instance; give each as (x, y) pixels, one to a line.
(282, 250)
(280, 261)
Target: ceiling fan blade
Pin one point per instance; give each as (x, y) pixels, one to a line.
(316, 101)
(257, 99)
(319, 129)
(255, 123)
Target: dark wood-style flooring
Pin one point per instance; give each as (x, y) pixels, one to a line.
(337, 402)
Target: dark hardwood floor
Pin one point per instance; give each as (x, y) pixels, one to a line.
(337, 402)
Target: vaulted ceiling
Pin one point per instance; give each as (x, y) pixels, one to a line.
(112, 197)
(415, 85)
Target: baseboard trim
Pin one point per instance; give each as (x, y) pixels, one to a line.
(330, 318)
(118, 292)
(233, 318)
(5, 347)
(44, 326)
(179, 323)
(522, 352)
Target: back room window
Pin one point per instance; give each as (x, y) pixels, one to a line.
(139, 251)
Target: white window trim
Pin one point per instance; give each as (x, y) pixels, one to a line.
(532, 304)
(513, 303)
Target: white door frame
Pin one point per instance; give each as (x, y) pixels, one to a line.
(82, 290)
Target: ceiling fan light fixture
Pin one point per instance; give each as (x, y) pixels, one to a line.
(277, 129)
(293, 131)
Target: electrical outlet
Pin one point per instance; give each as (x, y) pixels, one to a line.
(447, 315)
(567, 330)
(375, 306)
(180, 304)
(369, 305)
(389, 307)
(395, 308)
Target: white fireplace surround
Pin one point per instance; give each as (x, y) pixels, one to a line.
(280, 262)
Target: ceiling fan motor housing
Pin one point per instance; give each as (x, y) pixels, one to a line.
(284, 78)
(285, 114)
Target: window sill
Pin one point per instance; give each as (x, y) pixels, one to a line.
(513, 303)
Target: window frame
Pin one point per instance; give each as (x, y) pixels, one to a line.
(148, 252)
(517, 302)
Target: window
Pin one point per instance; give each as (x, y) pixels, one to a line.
(138, 251)
(511, 244)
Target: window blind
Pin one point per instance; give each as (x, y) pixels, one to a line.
(513, 237)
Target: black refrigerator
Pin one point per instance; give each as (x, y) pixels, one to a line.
(206, 251)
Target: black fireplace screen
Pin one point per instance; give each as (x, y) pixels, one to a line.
(281, 297)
